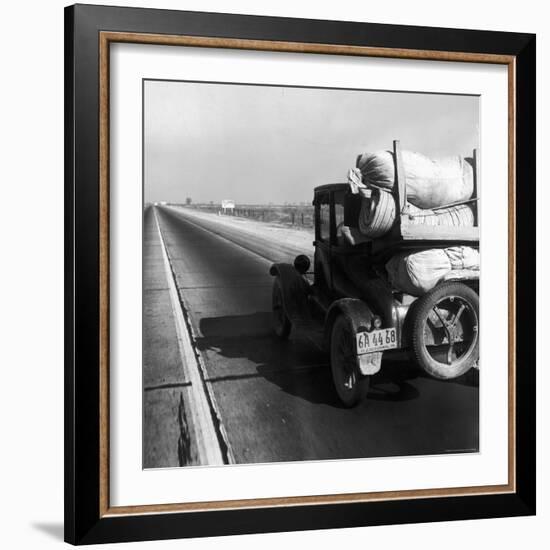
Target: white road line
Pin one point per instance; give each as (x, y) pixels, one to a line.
(207, 440)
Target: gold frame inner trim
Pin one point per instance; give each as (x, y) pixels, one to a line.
(105, 39)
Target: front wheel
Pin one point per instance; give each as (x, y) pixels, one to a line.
(281, 323)
(445, 337)
(351, 386)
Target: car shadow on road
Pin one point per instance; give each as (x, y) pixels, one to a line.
(251, 349)
(393, 382)
(296, 366)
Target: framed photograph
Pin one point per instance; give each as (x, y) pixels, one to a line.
(300, 274)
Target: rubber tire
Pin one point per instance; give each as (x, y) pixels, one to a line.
(282, 327)
(353, 396)
(423, 306)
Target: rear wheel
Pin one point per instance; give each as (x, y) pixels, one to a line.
(281, 322)
(351, 386)
(445, 337)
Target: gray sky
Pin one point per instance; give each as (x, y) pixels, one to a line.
(262, 144)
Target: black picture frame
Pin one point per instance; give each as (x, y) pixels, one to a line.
(84, 521)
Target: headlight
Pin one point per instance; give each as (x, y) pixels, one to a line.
(377, 321)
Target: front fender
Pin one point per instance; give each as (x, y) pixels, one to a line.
(359, 314)
(296, 290)
(360, 317)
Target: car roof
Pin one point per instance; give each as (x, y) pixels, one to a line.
(331, 187)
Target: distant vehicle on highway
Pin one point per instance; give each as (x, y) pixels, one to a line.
(351, 309)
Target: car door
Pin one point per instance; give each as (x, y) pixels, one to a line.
(323, 234)
(340, 250)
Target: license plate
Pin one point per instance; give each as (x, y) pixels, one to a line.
(377, 340)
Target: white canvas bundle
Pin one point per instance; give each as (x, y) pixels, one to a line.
(418, 272)
(378, 212)
(430, 183)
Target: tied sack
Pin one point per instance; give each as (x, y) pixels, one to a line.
(418, 272)
(378, 212)
(430, 183)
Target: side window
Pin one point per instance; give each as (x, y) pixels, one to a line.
(339, 215)
(324, 217)
(339, 198)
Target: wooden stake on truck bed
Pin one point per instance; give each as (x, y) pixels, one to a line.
(400, 185)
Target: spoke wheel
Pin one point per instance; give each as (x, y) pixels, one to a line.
(446, 330)
(281, 322)
(351, 386)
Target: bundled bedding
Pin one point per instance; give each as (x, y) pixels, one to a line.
(438, 194)
(433, 189)
(418, 272)
(378, 212)
(430, 182)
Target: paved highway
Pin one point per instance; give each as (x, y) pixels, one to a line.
(269, 401)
